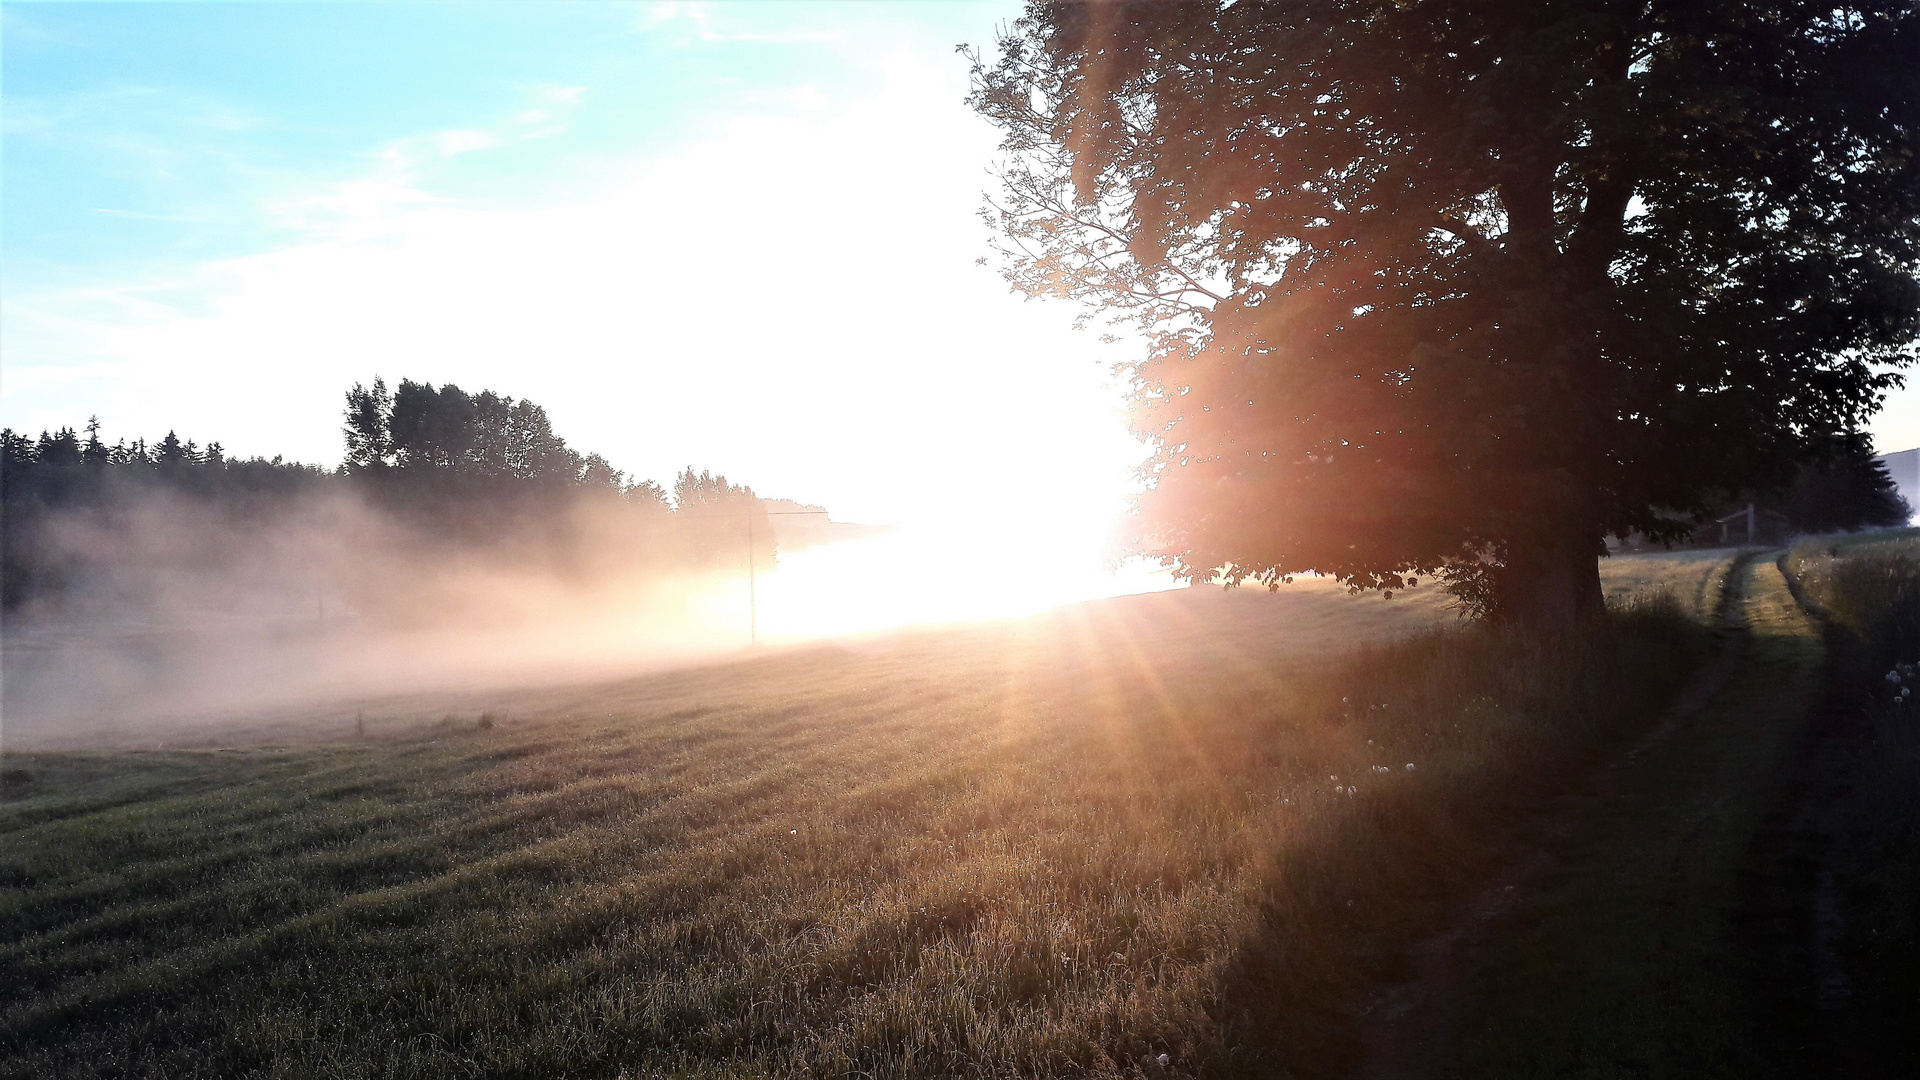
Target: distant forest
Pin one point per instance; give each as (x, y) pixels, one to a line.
(431, 476)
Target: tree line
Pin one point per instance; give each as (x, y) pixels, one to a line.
(436, 467)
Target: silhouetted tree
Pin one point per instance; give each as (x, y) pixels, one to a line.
(596, 473)
(1461, 287)
(61, 450)
(369, 441)
(172, 455)
(431, 428)
(646, 496)
(702, 491)
(532, 449)
(1849, 490)
(95, 452)
(729, 517)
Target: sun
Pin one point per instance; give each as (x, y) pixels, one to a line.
(941, 573)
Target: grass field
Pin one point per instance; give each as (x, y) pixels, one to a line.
(1732, 895)
(1624, 957)
(1180, 824)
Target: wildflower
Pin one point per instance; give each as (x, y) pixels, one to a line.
(1905, 690)
(793, 832)
(1409, 766)
(1346, 701)
(1164, 1060)
(1335, 779)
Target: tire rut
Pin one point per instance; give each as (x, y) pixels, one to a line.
(1412, 1027)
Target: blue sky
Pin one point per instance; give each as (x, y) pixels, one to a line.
(739, 236)
(142, 132)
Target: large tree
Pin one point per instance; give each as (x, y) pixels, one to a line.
(1461, 288)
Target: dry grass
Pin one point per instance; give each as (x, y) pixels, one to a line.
(1693, 577)
(1177, 824)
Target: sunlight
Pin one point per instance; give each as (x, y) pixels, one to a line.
(926, 573)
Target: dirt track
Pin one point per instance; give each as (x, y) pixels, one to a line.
(1620, 936)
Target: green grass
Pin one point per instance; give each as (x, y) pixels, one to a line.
(1866, 1009)
(1055, 846)
(1623, 960)
(1738, 899)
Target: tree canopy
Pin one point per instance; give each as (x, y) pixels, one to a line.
(1461, 288)
(484, 435)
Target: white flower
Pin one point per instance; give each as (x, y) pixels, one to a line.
(1409, 766)
(1335, 779)
(1164, 1060)
(794, 832)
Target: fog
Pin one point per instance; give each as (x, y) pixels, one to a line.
(183, 621)
(179, 614)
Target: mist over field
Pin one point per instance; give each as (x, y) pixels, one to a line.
(159, 597)
(181, 612)
(463, 544)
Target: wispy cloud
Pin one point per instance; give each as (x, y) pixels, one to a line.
(367, 205)
(85, 115)
(694, 22)
(137, 215)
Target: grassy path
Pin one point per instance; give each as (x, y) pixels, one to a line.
(1612, 945)
(1833, 887)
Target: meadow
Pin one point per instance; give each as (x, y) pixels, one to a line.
(1178, 834)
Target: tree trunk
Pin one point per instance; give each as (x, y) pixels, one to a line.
(1552, 584)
